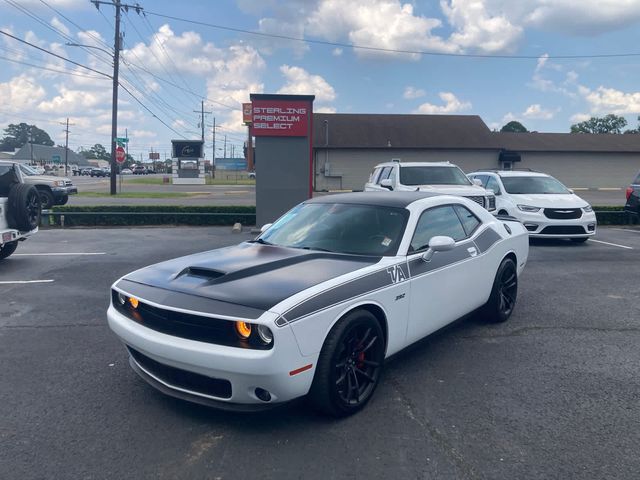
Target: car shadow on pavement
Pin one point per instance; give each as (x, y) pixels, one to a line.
(556, 242)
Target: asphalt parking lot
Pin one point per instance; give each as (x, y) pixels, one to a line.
(553, 393)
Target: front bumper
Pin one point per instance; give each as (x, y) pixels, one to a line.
(540, 226)
(60, 192)
(244, 369)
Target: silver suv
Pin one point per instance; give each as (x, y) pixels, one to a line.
(434, 177)
(19, 208)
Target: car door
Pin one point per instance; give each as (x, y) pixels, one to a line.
(444, 288)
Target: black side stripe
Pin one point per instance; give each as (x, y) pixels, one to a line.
(487, 239)
(384, 278)
(340, 293)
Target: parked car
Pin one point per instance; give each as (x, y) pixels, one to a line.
(316, 303)
(252, 175)
(97, 172)
(85, 171)
(139, 170)
(434, 177)
(543, 204)
(19, 208)
(38, 169)
(126, 171)
(633, 196)
(53, 190)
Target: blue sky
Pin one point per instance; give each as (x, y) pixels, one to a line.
(223, 66)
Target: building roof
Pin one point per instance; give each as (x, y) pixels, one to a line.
(459, 132)
(45, 153)
(568, 142)
(400, 131)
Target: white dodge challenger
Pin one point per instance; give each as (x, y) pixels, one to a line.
(316, 303)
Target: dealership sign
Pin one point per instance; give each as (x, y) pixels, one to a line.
(280, 118)
(187, 148)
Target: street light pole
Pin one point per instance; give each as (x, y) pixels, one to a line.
(114, 99)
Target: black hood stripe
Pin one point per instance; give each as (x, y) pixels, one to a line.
(188, 302)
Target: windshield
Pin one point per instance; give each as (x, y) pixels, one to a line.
(533, 185)
(341, 228)
(433, 176)
(27, 170)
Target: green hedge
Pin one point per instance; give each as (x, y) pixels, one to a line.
(125, 215)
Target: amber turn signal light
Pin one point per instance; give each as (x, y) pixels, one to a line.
(243, 329)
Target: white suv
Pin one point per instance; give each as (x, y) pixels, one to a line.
(435, 177)
(19, 208)
(544, 205)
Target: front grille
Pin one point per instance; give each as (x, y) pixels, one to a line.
(563, 213)
(68, 183)
(563, 230)
(185, 325)
(479, 200)
(175, 377)
(492, 203)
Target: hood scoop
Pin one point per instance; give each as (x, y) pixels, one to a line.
(201, 272)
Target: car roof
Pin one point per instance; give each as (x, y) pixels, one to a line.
(416, 164)
(510, 173)
(380, 199)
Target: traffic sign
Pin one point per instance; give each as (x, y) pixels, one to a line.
(120, 155)
(122, 140)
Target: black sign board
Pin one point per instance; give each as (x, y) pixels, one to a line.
(187, 148)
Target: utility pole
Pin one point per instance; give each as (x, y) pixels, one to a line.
(117, 44)
(66, 146)
(225, 146)
(213, 151)
(202, 114)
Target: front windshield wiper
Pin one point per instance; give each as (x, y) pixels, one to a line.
(319, 249)
(260, 241)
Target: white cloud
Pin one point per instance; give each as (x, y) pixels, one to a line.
(580, 117)
(74, 101)
(479, 28)
(143, 134)
(21, 93)
(605, 100)
(325, 110)
(336, 52)
(386, 24)
(452, 105)
(56, 23)
(536, 112)
(411, 93)
(301, 82)
(509, 117)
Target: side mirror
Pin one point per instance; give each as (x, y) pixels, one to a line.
(477, 181)
(494, 192)
(571, 190)
(265, 227)
(438, 244)
(387, 183)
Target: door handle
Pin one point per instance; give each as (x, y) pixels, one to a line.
(472, 251)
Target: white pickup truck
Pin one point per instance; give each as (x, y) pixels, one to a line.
(19, 208)
(434, 177)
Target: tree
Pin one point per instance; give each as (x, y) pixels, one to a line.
(608, 124)
(97, 151)
(18, 135)
(514, 127)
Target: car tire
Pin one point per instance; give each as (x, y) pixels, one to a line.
(46, 199)
(349, 365)
(580, 240)
(7, 249)
(24, 207)
(504, 293)
(63, 200)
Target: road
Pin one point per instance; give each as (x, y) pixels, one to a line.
(553, 393)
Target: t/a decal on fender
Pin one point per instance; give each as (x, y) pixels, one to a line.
(396, 273)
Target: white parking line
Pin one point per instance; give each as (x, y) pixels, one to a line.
(54, 254)
(626, 230)
(612, 244)
(21, 282)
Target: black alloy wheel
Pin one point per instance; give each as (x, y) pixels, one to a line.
(349, 366)
(46, 199)
(24, 207)
(504, 293)
(7, 249)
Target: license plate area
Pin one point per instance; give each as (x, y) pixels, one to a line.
(7, 237)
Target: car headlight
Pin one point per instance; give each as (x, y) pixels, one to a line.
(59, 183)
(528, 208)
(265, 334)
(587, 209)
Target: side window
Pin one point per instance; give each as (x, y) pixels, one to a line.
(384, 174)
(374, 175)
(392, 174)
(469, 221)
(482, 178)
(434, 222)
(492, 184)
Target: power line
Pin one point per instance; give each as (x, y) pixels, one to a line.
(387, 50)
(66, 72)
